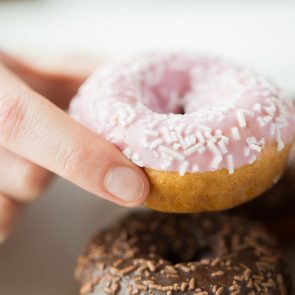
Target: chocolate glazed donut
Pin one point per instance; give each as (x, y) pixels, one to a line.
(152, 253)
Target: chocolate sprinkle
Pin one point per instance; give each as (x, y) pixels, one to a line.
(200, 254)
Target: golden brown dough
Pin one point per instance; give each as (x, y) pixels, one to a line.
(218, 190)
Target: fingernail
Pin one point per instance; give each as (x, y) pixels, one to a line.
(125, 183)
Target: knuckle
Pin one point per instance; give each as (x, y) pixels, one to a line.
(12, 111)
(34, 182)
(5, 203)
(8, 213)
(73, 159)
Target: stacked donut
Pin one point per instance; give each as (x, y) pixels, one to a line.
(210, 135)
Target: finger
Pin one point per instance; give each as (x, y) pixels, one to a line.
(9, 211)
(36, 129)
(21, 178)
(55, 78)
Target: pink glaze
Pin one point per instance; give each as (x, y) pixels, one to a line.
(229, 112)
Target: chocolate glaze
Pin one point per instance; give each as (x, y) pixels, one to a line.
(152, 253)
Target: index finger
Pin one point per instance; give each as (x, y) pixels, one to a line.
(36, 129)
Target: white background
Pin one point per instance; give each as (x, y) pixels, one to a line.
(40, 256)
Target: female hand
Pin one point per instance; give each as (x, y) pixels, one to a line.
(36, 135)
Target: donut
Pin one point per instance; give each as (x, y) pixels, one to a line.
(167, 254)
(209, 134)
(275, 208)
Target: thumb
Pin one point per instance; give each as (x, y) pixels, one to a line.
(34, 128)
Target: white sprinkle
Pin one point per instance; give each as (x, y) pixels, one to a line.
(200, 137)
(213, 148)
(171, 152)
(183, 168)
(135, 157)
(218, 132)
(262, 141)
(272, 129)
(282, 122)
(152, 124)
(246, 151)
(216, 162)
(176, 146)
(224, 139)
(166, 157)
(122, 117)
(203, 127)
(122, 113)
(252, 159)
(235, 133)
(251, 140)
(201, 150)
(255, 147)
(195, 168)
(190, 140)
(270, 110)
(179, 128)
(193, 149)
(127, 152)
(267, 119)
(257, 107)
(222, 147)
(116, 138)
(165, 165)
(180, 138)
(173, 136)
(131, 118)
(166, 133)
(241, 118)
(189, 129)
(138, 163)
(230, 164)
(150, 132)
(249, 113)
(260, 121)
(281, 144)
(155, 143)
(144, 142)
(208, 135)
(212, 139)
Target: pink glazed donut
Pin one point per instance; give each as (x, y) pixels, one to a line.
(209, 134)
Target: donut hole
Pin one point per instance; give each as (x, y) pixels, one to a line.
(184, 256)
(180, 91)
(168, 96)
(195, 247)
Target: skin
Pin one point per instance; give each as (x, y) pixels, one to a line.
(37, 137)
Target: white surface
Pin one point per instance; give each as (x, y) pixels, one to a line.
(258, 33)
(40, 256)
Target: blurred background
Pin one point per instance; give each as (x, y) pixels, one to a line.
(40, 256)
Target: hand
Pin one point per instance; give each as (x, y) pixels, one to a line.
(36, 135)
